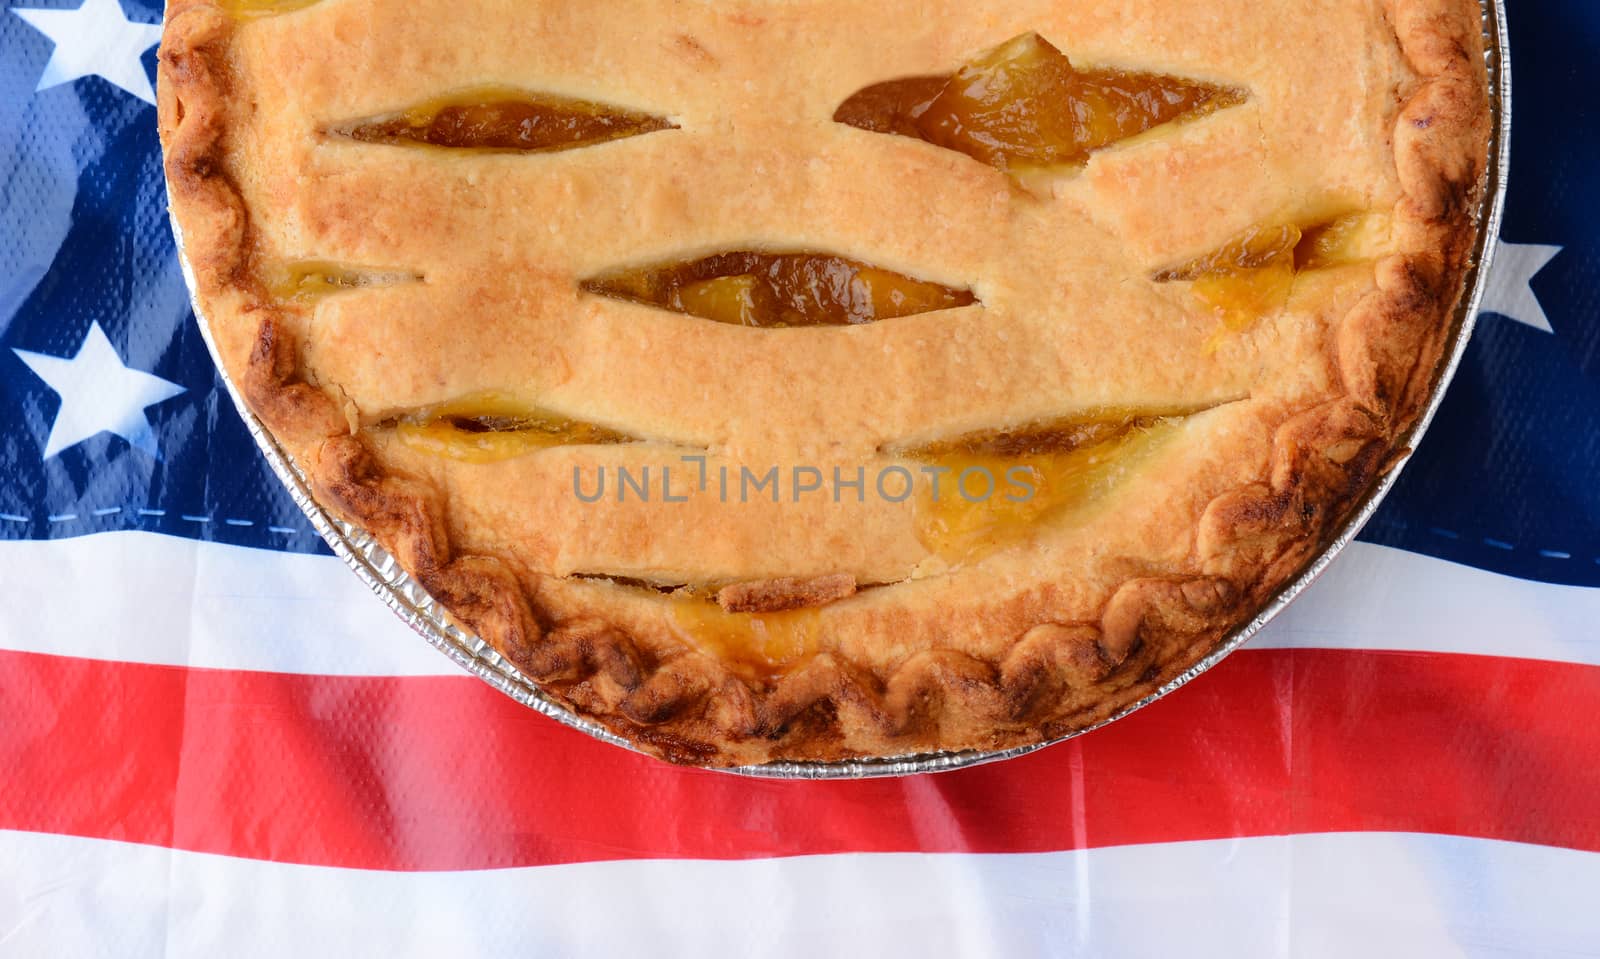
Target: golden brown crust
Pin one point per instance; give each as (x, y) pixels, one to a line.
(1050, 679)
(776, 595)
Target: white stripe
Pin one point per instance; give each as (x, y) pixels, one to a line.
(1376, 597)
(143, 597)
(147, 598)
(1350, 894)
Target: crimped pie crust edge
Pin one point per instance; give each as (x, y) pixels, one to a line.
(1056, 677)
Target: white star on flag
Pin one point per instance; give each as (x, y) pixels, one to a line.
(97, 39)
(1510, 290)
(99, 394)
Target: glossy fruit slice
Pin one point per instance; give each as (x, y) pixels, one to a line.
(249, 9)
(994, 488)
(307, 281)
(1251, 276)
(1343, 240)
(493, 426)
(1024, 107)
(763, 646)
(1246, 278)
(774, 290)
(503, 119)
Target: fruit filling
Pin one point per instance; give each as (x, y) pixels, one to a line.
(307, 281)
(989, 489)
(1250, 276)
(1023, 106)
(1342, 240)
(263, 8)
(775, 290)
(504, 119)
(763, 645)
(486, 427)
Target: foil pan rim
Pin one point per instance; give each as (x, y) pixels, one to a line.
(384, 577)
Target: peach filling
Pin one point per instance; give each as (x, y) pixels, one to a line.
(486, 427)
(263, 8)
(1024, 106)
(503, 119)
(307, 281)
(996, 487)
(763, 645)
(775, 290)
(1250, 276)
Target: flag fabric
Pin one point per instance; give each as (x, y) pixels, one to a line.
(214, 741)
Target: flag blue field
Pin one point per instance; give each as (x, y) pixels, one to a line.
(111, 413)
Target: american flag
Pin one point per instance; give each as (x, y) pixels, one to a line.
(214, 742)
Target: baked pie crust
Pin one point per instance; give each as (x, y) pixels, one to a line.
(466, 261)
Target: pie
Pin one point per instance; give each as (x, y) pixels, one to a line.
(819, 380)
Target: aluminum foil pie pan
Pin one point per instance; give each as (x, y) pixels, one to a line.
(383, 575)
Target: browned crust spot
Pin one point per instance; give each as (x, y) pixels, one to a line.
(1057, 677)
(776, 595)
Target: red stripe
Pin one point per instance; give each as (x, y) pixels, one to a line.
(444, 773)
